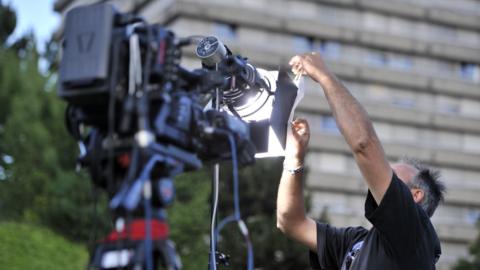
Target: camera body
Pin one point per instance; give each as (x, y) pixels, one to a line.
(121, 78)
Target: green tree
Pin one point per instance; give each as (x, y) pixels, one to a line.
(37, 156)
(473, 263)
(189, 218)
(258, 193)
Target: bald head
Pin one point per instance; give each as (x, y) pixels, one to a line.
(405, 172)
(423, 182)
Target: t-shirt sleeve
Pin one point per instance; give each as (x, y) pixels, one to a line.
(397, 217)
(333, 244)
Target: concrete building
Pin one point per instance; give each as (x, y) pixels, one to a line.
(414, 64)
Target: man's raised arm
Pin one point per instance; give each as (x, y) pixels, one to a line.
(291, 217)
(353, 122)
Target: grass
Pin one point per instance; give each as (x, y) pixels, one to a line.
(24, 246)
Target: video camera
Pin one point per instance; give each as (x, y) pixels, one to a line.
(141, 118)
(99, 78)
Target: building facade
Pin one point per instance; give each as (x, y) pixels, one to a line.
(414, 64)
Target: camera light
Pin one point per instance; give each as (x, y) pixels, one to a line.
(270, 112)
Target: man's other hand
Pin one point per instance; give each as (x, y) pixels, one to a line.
(297, 142)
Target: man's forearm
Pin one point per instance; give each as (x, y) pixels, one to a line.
(351, 118)
(290, 201)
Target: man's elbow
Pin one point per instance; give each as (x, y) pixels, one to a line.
(289, 224)
(363, 144)
(284, 223)
(281, 224)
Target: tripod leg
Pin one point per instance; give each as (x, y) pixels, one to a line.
(170, 257)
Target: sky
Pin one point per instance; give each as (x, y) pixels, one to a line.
(36, 15)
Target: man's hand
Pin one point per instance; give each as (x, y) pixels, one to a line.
(310, 64)
(297, 143)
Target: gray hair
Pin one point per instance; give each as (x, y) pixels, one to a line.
(427, 179)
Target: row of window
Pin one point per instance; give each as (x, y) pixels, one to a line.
(464, 107)
(402, 98)
(343, 164)
(388, 24)
(465, 6)
(383, 59)
(370, 21)
(375, 58)
(343, 205)
(332, 50)
(408, 135)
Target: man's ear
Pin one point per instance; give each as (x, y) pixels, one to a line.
(418, 194)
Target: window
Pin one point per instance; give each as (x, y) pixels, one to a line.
(327, 13)
(471, 144)
(405, 134)
(224, 31)
(404, 99)
(469, 37)
(352, 54)
(401, 27)
(302, 44)
(313, 120)
(378, 92)
(447, 105)
(329, 125)
(445, 68)
(472, 217)
(331, 50)
(332, 163)
(448, 140)
(384, 131)
(469, 72)
(376, 59)
(422, 31)
(470, 108)
(375, 22)
(446, 34)
(400, 62)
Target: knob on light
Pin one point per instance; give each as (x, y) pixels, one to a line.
(211, 51)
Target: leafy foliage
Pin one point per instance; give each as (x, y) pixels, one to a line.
(189, 219)
(31, 247)
(37, 156)
(8, 20)
(474, 262)
(258, 189)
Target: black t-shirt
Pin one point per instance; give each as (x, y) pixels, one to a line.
(402, 237)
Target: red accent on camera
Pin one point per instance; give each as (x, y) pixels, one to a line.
(136, 231)
(124, 160)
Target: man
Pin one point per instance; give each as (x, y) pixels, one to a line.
(401, 197)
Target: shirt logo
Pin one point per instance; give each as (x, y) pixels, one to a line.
(352, 254)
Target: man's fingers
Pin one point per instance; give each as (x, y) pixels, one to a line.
(297, 59)
(300, 127)
(300, 121)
